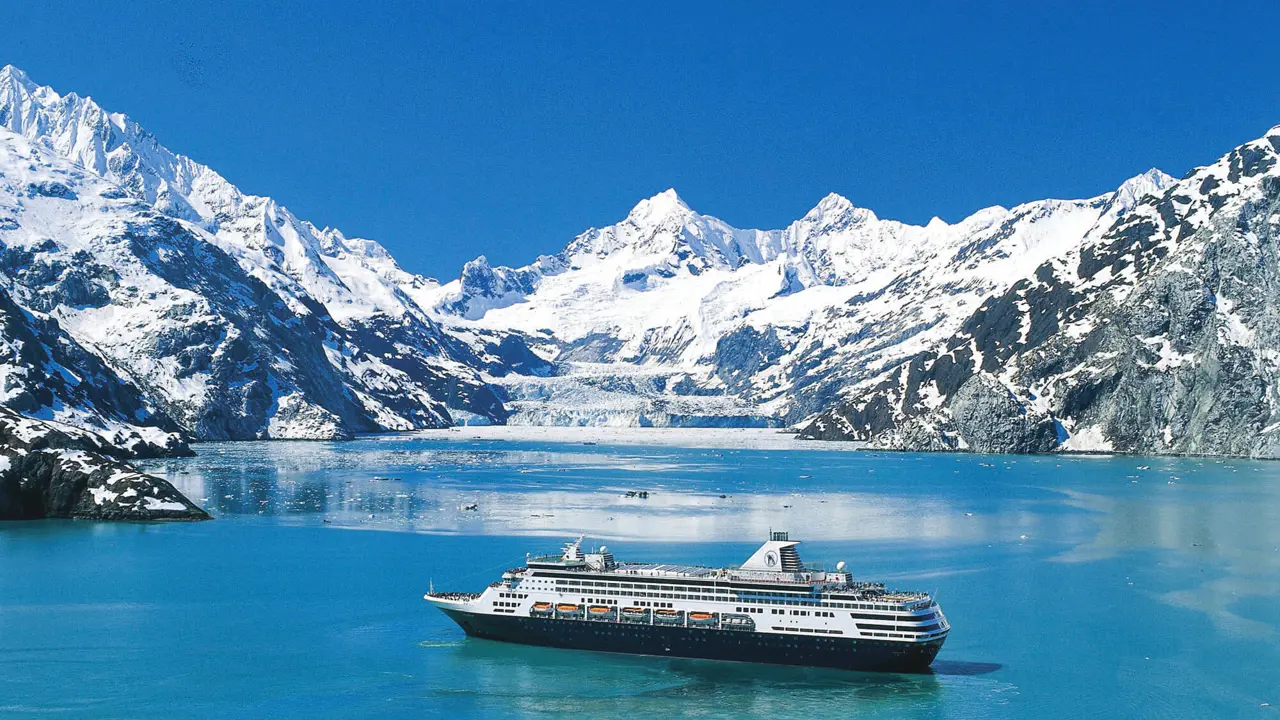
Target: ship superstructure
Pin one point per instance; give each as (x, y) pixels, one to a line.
(772, 608)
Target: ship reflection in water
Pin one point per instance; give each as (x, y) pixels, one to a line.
(515, 677)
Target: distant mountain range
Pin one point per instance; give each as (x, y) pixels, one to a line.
(147, 298)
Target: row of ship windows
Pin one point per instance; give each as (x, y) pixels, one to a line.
(518, 596)
(925, 629)
(709, 598)
(808, 630)
(892, 618)
(641, 586)
(776, 611)
(504, 603)
(605, 629)
(634, 587)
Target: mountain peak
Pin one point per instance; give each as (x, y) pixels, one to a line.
(836, 206)
(12, 74)
(658, 207)
(1135, 188)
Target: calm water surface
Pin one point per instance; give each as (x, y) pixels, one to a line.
(1115, 586)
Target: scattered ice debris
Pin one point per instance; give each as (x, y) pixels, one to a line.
(469, 507)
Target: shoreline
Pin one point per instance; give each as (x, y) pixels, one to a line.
(707, 438)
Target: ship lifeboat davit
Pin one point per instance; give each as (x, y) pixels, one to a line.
(635, 614)
(701, 618)
(666, 615)
(568, 609)
(599, 610)
(542, 608)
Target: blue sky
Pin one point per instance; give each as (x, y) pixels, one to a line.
(456, 129)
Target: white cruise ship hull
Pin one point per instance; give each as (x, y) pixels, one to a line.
(710, 643)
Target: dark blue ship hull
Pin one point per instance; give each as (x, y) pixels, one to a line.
(709, 644)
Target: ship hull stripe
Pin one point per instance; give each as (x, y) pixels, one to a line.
(709, 644)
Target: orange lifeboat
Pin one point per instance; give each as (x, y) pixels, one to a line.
(599, 609)
(542, 607)
(567, 608)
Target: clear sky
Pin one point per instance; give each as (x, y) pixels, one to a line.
(453, 129)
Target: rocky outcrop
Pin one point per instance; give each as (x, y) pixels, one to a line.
(50, 470)
(1162, 335)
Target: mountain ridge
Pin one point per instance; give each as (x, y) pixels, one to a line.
(934, 336)
(696, 300)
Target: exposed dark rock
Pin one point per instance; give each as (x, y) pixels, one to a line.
(49, 470)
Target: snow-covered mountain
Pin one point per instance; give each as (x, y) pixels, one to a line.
(227, 313)
(144, 297)
(1159, 334)
(674, 317)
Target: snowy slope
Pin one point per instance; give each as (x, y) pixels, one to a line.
(350, 277)
(45, 374)
(773, 323)
(210, 346)
(1160, 334)
(375, 345)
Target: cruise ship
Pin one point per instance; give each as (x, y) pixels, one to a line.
(771, 609)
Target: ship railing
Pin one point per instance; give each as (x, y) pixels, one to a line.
(455, 595)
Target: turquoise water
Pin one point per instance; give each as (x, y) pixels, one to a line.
(1114, 586)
